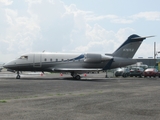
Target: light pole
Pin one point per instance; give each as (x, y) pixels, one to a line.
(156, 61)
(156, 54)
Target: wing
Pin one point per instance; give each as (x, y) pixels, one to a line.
(82, 70)
(75, 69)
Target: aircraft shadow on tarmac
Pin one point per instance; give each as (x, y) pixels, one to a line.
(70, 79)
(62, 78)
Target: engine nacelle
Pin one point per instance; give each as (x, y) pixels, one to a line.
(95, 58)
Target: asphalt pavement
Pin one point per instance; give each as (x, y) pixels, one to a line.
(94, 97)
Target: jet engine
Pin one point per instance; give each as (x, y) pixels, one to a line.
(96, 58)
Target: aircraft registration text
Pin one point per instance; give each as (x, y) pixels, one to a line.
(128, 50)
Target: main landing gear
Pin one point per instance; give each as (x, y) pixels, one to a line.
(75, 76)
(18, 76)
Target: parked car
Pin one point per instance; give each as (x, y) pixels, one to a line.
(136, 71)
(122, 72)
(151, 72)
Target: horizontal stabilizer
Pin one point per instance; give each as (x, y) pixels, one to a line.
(137, 38)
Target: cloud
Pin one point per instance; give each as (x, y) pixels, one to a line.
(111, 18)
(99, 40)
(54, 26)
(151, 16)
(6, 2)
(20, 32)
(33, 1)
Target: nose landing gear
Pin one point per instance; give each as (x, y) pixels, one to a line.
(18, 76)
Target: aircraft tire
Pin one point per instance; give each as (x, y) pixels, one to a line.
(18, 77)
(124, 75)
(77, 77)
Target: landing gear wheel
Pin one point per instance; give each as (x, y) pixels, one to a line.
(77, 77)
(18, 77)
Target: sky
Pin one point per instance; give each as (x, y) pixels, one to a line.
(76, 26)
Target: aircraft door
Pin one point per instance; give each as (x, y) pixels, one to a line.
(37, 60)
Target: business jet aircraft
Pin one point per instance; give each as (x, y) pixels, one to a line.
(78, 64)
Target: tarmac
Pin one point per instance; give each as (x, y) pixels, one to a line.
(94, 97)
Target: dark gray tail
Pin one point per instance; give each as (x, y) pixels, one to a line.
(129, 47)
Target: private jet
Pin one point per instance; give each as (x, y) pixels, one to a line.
(77, 63)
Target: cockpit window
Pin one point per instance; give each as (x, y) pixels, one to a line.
(23, 57)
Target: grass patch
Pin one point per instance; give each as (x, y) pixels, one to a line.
(3, 101)
(59, 94)
(35, 96)
(98, 91)
(50, 95)
(17, 98)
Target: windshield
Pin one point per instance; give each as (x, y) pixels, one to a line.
(23, 57)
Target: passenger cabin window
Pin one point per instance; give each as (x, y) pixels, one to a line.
(51, 60)
(45, 59)
(24, 57)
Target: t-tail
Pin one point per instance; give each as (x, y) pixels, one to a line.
(129, 47)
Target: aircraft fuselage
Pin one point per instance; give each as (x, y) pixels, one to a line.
(52, 61)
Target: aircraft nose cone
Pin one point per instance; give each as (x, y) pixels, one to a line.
(5, 65)
(8, 65)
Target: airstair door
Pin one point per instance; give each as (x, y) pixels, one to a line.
(37, 60)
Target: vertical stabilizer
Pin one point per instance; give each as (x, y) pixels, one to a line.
(129, 47)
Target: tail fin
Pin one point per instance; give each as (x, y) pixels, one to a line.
(129, 47)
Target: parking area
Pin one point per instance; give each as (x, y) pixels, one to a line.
(52, 96)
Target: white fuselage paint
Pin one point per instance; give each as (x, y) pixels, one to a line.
(66, 62)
